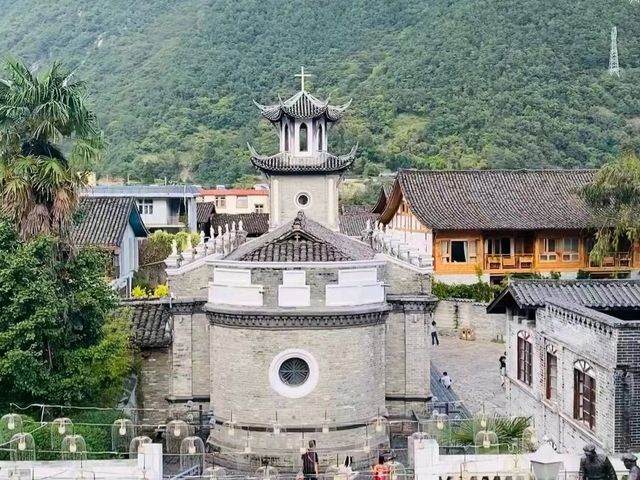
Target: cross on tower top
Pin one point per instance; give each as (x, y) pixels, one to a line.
(302, 75)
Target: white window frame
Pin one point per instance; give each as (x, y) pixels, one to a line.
(145, 206)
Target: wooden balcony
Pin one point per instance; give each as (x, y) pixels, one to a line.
(521, 262)
(613, 261)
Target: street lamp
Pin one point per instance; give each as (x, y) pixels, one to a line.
(545, 462)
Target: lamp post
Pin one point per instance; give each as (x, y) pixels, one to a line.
(545, 462)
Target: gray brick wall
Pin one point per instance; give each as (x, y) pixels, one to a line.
(454, 315)
(194, 283)
(351, 382)
(155, 384)
(613, 353)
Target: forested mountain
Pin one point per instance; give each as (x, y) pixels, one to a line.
(435, 83)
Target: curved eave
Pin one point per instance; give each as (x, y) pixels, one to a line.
(381, 203)
(275, 164)
(303, 106)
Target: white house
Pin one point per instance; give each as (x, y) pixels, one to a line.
(162, 207)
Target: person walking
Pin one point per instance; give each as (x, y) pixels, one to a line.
(434, 334)
(503, 368)
(381, 470)
(310, 468)
(446, 380)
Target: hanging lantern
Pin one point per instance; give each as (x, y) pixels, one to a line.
(276, 429)
(486, 443)
(12, 421)
(440, 422)
(72, 446)
(192, 449)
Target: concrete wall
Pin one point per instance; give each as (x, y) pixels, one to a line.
(322, 190)
(452, 316)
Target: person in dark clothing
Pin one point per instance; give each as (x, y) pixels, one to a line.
(594, 466)
(629, 460)
(434, 334)
(310, 468)
(503, 368)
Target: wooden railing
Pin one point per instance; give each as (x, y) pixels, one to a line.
(613, 260)
(516, 261)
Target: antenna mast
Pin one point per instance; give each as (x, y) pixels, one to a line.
(614, 68)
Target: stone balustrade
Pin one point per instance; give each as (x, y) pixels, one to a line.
(390, 242)
(221, 245)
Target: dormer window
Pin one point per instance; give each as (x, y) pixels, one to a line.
(304, 140)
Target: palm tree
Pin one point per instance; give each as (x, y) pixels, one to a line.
(40, 116)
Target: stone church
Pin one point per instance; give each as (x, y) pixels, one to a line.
(302, 333)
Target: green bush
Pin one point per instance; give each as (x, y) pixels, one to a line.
(479, 291)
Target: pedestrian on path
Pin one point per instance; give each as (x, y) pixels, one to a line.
(434, 334)
(503, 368)
(446, 380)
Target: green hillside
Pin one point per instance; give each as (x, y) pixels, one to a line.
(435, 83)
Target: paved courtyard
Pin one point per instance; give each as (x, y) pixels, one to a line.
(474, 369)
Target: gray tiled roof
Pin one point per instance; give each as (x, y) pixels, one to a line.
(253, 223)
(103, 220)
(383, 197)
(303, 105)
(150, 322)
(284, 163)
(143, 191)
(302, 240)
(497, 199)
(353, 224)
(204, 211)
(596, 294)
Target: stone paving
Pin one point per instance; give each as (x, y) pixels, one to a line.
(474, 368)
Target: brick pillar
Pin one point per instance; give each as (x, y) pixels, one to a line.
(181, 372)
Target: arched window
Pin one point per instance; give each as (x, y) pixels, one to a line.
(286, 138)
(525, 357)
(304, 140)
(584, 393)
(320, 139)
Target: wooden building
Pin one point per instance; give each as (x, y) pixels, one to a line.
(492, 223)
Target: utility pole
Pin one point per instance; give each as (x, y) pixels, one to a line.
(614, 67)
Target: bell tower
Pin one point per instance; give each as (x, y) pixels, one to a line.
(303, 175)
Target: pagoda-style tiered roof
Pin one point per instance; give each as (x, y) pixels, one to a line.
(285, 163)
(303, 105)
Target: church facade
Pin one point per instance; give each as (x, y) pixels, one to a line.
(302, 333)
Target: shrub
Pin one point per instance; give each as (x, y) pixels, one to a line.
(161, 291)
(139, 292)
(479, 291)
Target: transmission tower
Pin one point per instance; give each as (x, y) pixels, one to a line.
(614, 68)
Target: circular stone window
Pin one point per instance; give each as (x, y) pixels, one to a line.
(303, 200)
(293, 373)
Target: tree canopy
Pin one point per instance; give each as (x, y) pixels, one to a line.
(435, 83)
(60, 340)
(614, 198)
(39, 185)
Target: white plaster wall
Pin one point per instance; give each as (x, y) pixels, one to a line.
(160, 215)
(239, 295)
(294, 296)
(231, 276)
(321, 207)
(353, 295)
(128, 257)
(357, 276)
